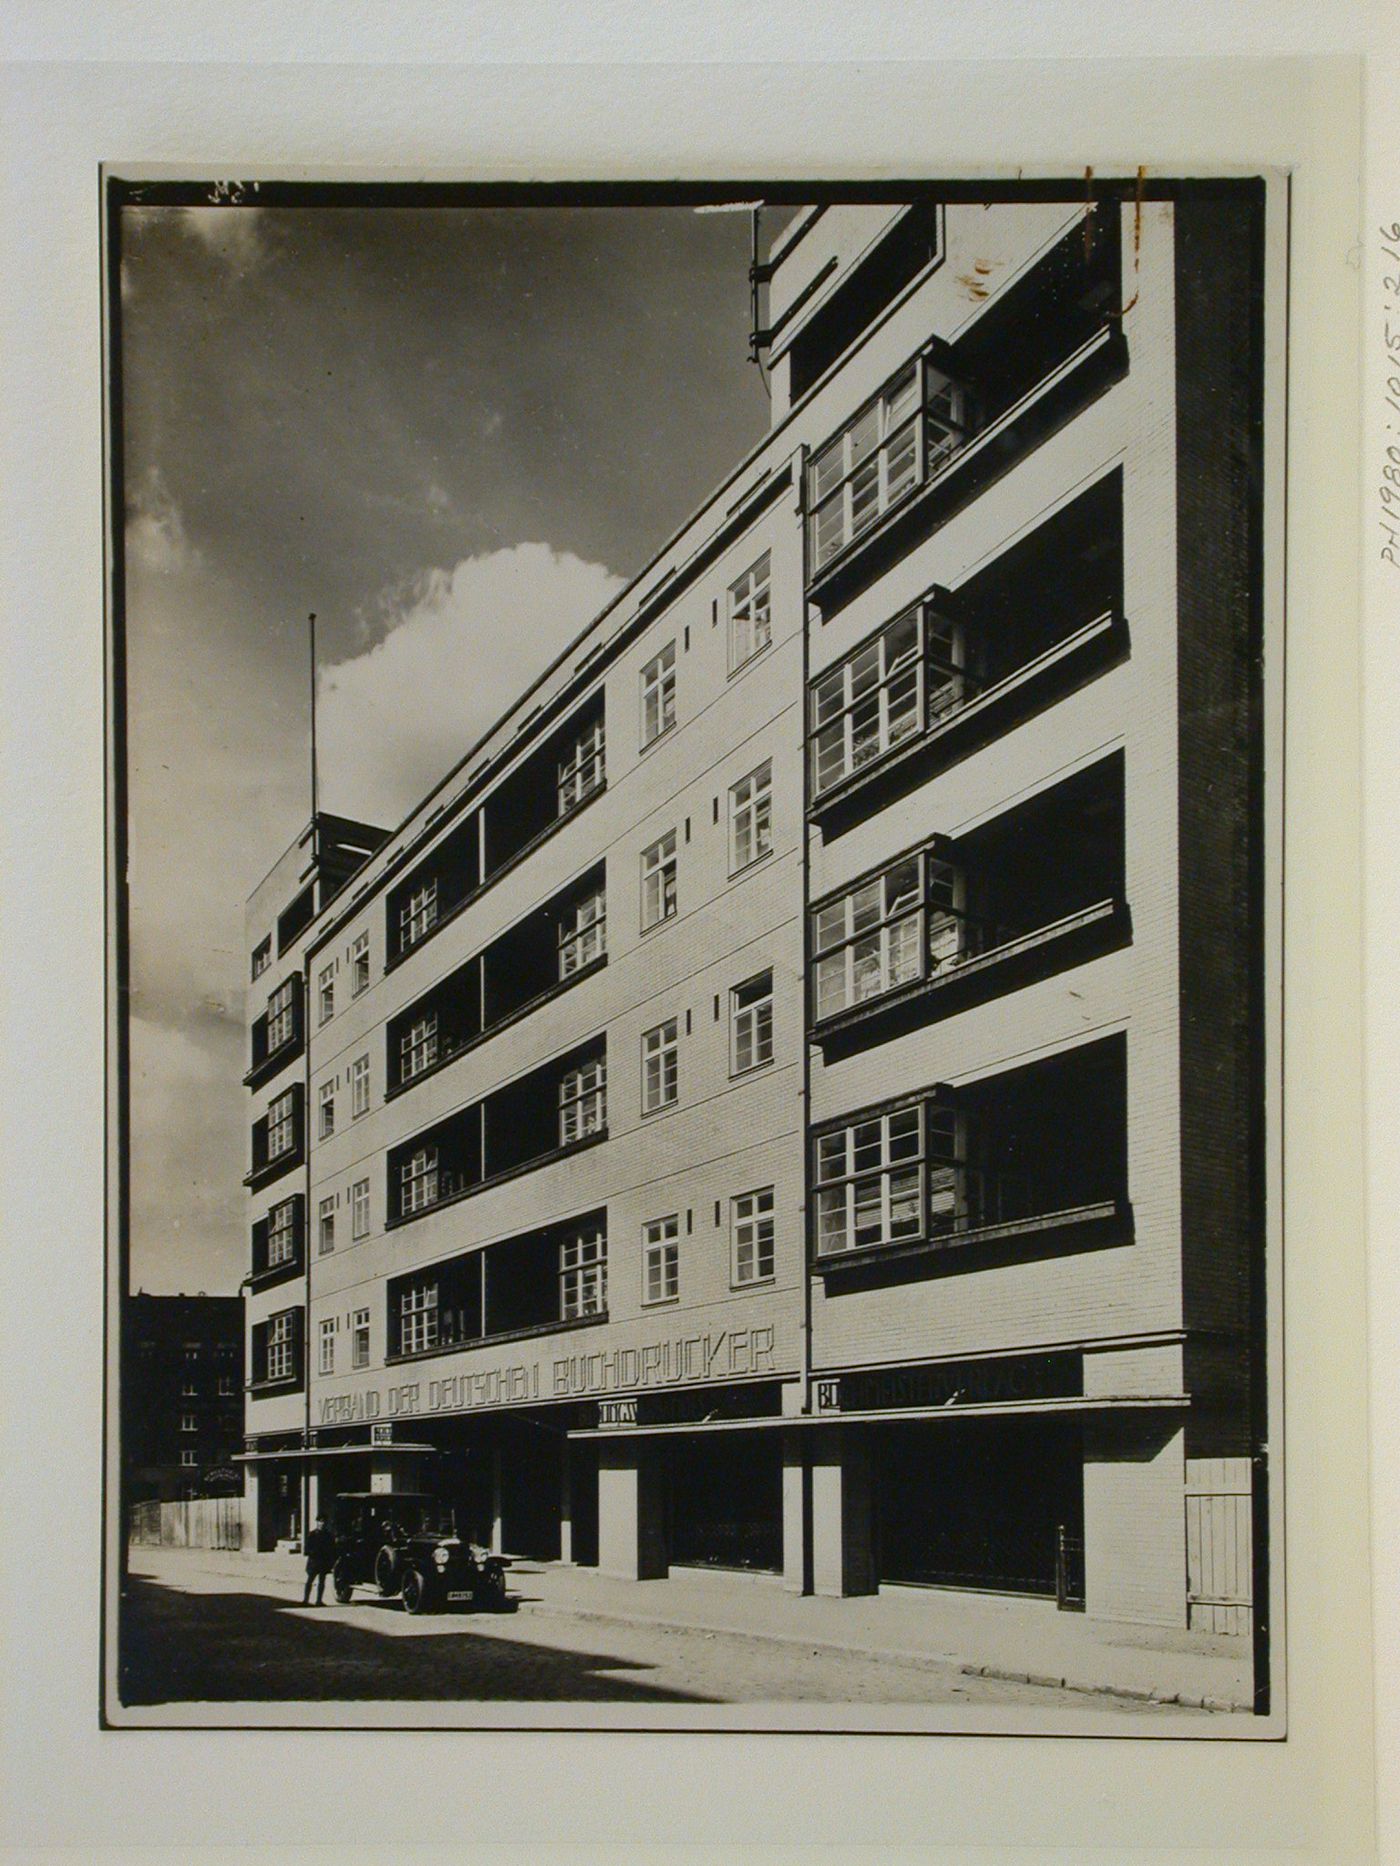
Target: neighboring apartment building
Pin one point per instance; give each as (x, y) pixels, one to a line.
(790, 1099)
(182, 1423)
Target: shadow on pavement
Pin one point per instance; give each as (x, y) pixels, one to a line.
(191, 1648)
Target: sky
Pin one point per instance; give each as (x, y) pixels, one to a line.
(438, 428)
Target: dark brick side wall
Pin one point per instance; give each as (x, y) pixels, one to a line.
(1218, 371)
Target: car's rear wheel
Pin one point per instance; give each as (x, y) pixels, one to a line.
(340, 1581)
(493, 1578)
(415, 1592)
(387, 1570)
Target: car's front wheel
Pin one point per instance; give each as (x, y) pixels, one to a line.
(415, 1592)
(340, 1581)
(386, 1570)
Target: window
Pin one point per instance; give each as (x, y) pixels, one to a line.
(326, 1126)
(751, 817)
(918, 421)
(886, 933)
(359, 965)
(418, 1047)
(262, 956)
(281, 1234)
(359, 1210)
(189, 1457)
(583, 1273)
(751, 1023)
(418, 914)
(751, 1230)
(659, 694)
(325, 1363)
(279, 1345)
(282, 1125)
(419, 1180)
(189, 1389)
(870, 703)
(659, 881)
(191, 1351)
(583, 933)
(581, 769)
(418, 1318)
(870, 1178)
(188, 1422)
(281, 1015)
(660, 1049)
(325, 993)
(359, 1339)
(661, 1278)
(325, 1234)
(583, 1103)
(359, 1087)
(226, 1386)
(750, 621)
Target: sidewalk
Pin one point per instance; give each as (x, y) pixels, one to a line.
(990, 1636)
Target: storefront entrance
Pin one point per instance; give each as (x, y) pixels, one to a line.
(727, 1501)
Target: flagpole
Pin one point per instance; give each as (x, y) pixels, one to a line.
(311, 619)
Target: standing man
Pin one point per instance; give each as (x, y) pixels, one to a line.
(320, 1559)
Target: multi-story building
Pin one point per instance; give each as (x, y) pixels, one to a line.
(182, 1425)
(790, 1097)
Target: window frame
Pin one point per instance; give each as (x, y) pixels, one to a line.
(418, 1181)
(583, 1272)
(282, 1123)
(325, 1346)
(893, 674)
(661, 1250)
(325, 994)
(664, 1053)
(359, 964)
(658, 678)
(282, 1234)
(660, 867)
(583, 1100)
(418, 1314)
(888, 1167)
(189, 1458)
(575, 934)
(584, 771)
(261, 958)
(359, 1339)
(281, 1344)
(359, 1087)
(361, 1221)
(754, 1222)
(935, 908)
(747, 1018)
(418, 1047)
(325, 1110)
(325, 1226)
(281, 1015)
(750, 596)
(754, 811)
(418, 913)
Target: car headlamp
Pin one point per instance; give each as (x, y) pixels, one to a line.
(440, 1557)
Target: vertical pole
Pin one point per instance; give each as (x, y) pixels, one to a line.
(311, 620)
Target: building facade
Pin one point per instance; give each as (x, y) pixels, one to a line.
(790, 1099)
(183, 1418)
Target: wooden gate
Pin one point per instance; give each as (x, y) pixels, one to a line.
(1219, 1545)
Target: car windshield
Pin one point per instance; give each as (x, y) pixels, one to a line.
(385, 1518)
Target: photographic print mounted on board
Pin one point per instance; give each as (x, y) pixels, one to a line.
(694, 996)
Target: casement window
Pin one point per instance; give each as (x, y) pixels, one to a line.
(870, 1182)
(751, 817)
(226, 1386)
(281, 1342)
(751, 1235)
(418, 1318)
(282, 1125)
(281, 1015)
(918, 420)
(751, 1023)
(869, 704)
(418, 1180)
(905, 924)
(659, 881)
(188, 1422)
(659, 694)
(326, 1104)
(418, 1047)
(581, 770)
(359, 1338)
(359, 1087)
(262, 956)
(325, 993)
(189, 1389)
(750, 619)
(281, 1234)
(660, 1065)
(359, 964)
(189, 1457)
(325, 1229)
(325, 1361)
(583, 933)
(583, 1101)
(359, 1210)
(419, 913)
(661, 1252)
(583, 1273)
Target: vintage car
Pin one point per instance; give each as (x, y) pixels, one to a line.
(405, 1543)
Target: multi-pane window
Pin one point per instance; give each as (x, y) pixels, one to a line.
(418, 914)
(359, 964)
(325, 993)
(659, 881)
(660, 1052)
(262, 956)
(325, 1229)
(751, 816)
(659, 694)
(583, 933)
(359, 1210)
(359, 1087)
(900, 926)
(282, 1125)
(188, 1422)
(418, 1047)
(581, 770)
(281, 1015)
(583, 1101)
(418, 1318)
(226, 1386)
(661, 1250)
(359, 1338)
(326, 1105)
(919, 420)
(326, 1359)
(418, 1180)
(189, 1389)
(870, 1182)
(281, 1234)
(279, 1345)
(583, 1273)
(750, 618)
(869, 704)
(751, 1023)
(189, 1457)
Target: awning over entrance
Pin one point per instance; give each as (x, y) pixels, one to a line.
(325, 1451)
(1135, 1402)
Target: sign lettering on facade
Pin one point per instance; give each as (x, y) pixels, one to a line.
(617, 1412)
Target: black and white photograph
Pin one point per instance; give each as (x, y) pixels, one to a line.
(693, 798)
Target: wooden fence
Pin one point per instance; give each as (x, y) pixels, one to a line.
(1219, 1545)
(200, 1523)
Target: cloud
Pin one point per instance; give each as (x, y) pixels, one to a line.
(155, 529)
(235, 235)
(460, 647)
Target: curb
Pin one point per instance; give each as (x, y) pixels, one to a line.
(1184, 1699)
